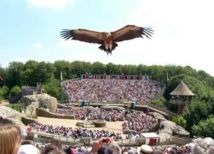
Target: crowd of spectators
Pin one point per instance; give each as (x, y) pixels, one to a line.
(12, 143)
(108, 146)
(92, 113)
(139, 122)
(132, 120)
(74, 132)
(111, 90)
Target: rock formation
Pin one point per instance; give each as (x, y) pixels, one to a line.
(172, 133)
(31, 102)
(9, 113)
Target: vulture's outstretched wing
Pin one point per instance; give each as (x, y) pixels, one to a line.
(130, 32)
(83, 35)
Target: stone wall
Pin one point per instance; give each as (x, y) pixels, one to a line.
(44, 113)
(27, 120)
(179, 140)
(60, 106)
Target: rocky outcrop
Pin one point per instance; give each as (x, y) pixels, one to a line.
(157, 115)
(172, 133)
(9, 113)
(196, 146)
(202, 145)
(31, 102)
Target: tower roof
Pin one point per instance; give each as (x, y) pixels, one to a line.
(182, 90)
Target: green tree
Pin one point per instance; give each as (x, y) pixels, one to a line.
(113, 69)
(208, 79)
(142, 69)
(43, 72)
(157, 73)
(204, 128)
(2, 75)
(77, 68)
(64, 67)
(53, 88)
(196, 111)
(129, 69)
(4, 92)
(28, 74)
(98, 68)
(13, 76)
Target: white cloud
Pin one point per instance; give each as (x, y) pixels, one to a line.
(38, 45)
(54, 4)
(77, 46)
(183, 33)
(65, 44)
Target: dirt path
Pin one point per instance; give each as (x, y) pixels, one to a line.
(113, 126)
(4, 103)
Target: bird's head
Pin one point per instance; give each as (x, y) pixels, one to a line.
(108, 34)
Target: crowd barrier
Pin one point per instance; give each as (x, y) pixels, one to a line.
(44, 138)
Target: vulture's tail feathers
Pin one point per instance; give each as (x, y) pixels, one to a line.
(102, 47)
(108, 51)
(114, 46)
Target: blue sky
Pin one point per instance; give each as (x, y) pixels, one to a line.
(29, 29)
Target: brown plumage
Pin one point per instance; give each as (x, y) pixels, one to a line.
(107, 40)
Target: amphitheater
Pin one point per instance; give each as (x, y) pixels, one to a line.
(97, 109)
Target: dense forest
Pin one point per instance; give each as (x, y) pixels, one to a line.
(198, 117)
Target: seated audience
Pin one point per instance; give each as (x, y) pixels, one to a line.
(111, 90)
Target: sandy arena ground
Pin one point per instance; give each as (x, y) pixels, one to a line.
(113, 126)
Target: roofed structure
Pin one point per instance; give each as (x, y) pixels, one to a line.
(180, 96)
(182, 90)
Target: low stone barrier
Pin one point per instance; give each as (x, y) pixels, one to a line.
(44, 113)
(99, 123)
(27, 120)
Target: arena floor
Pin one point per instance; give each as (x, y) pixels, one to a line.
(113, 126)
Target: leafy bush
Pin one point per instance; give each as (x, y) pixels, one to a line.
(179, 120)
(33, 116)
(15, 90)
(16, 106)
(160, 101)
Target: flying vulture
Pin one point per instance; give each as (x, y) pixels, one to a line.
(107, 40)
